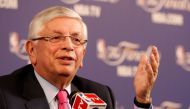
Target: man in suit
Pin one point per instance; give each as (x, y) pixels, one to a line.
(56, 46)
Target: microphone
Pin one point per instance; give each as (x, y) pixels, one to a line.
(79, 100)
(72, 97)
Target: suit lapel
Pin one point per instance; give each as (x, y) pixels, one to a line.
(33, 92)
(74, 88)
(37, 103)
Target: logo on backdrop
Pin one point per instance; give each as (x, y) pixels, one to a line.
(9, 4)
(169, 105)
(70, 1)
(164, 105)
(16, 46)
(151, 5)
(122, 56)
(90, 9)
(119, 106)
(76, 1)
(108, 1)
(183, 57)
(154, 7)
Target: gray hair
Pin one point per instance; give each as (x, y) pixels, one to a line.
(48, 14)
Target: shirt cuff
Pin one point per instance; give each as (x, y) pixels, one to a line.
(139, 105)
(135, 107)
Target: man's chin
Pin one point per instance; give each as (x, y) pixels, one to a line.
(66, 73)
(66, 70)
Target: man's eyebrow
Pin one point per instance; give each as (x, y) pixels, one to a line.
(57, 32)
(73, 33)
(76, 33)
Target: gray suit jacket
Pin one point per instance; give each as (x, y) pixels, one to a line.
(21, 90)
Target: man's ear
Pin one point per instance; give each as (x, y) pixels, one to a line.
(81, 64)
(29, 47)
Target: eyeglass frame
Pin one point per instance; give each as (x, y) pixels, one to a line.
(50, 38)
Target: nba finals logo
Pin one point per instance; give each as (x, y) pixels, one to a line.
(70, 1)
(151, 5)
(124, 56)
(165, 11)
(16, 46)
(115, 55)
(183, 58)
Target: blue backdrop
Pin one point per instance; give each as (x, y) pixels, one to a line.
(119, 32)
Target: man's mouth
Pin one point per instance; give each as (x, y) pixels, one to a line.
(66, 60)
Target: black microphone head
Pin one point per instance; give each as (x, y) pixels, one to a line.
(72, 97)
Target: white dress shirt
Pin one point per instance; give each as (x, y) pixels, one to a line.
(51, 92)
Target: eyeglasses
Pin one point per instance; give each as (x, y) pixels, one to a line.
(57, 39)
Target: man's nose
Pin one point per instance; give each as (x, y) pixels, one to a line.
(67, 44)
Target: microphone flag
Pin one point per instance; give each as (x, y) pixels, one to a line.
(88, 101)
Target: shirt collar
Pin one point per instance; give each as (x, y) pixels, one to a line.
(49, 89)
